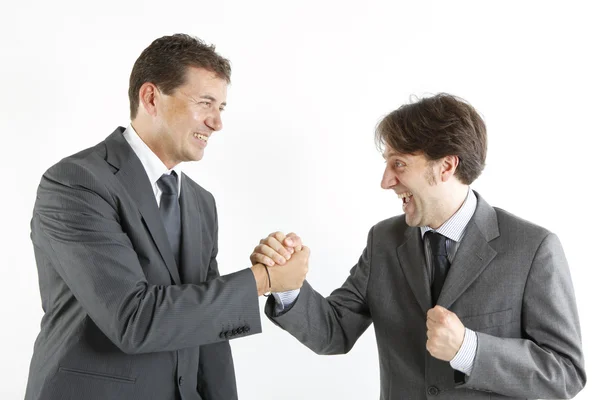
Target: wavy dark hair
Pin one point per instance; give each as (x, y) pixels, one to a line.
(438, 126)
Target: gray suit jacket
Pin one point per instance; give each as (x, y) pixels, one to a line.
(509, 282)
(121, 320)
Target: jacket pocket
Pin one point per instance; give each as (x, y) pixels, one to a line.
(97, 375)
(489, 320)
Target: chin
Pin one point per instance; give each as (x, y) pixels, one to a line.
(412, 221)
(197, 156)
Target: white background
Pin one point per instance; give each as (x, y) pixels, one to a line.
(310, 81)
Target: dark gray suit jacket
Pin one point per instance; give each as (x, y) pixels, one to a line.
(509, 282)
(121, 321)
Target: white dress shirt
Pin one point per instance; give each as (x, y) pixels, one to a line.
(153, 166)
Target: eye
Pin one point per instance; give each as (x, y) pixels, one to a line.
(399, 164)
(204, 104)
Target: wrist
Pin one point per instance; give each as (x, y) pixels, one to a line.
(261, 278)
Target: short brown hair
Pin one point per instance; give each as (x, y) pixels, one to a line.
(165, 62)
(438, 126)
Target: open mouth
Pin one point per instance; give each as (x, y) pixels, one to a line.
(201, 137)
(406, 198)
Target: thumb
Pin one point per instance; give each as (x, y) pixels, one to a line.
(305, 251)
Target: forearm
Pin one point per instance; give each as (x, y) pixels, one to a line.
(317, 322)
(520, 368)
(140, 317)
(165, 318)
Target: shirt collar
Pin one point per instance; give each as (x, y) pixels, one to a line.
(455, 227)
(153, 166)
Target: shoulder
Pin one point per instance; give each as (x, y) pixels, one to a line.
(515, 226)
(83, 168)
(390, 229)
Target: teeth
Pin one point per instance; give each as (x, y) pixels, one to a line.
(404, 195)
(199, 136)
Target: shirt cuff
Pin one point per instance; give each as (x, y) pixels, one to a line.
(464, 359)
(283, 300)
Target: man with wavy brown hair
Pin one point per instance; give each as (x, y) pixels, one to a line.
(467, 300)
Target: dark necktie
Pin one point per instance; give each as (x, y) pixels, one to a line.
(169, 211)
(439, 261)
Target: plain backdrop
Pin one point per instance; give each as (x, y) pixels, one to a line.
(310, 81)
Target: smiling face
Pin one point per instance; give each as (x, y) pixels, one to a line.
(415, 180)
(183, 121)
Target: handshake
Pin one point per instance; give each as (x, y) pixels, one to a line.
(279, 263)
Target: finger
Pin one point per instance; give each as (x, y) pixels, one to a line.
(271, 253)
(441, 309)
(430, 324)
(276, 245)
(280, 236)
(293, 240)
(436, 313)
(257, 258)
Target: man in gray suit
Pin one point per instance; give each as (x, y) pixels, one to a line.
(126, 246)
(467, 301)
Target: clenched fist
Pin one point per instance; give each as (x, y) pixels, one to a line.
(445, 333)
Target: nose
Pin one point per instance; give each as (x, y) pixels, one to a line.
(214, 121)
(389, 179)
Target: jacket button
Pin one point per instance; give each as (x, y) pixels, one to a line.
(433, 391)
(180, 381)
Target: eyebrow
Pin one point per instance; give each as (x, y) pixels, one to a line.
(211, 98)
(389, 155)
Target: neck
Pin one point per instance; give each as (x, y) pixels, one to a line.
(451, 203)
(151, 139)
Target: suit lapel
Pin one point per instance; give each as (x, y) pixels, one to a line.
(191, 234)
(135, 181)
(412, 261)
(473, 255)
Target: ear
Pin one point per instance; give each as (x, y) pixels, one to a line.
(448, 167)
(149, 96)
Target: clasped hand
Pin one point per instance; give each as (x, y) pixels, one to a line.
(286, 259)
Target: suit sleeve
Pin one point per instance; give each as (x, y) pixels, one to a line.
(76, 225)
(329, 325)
(216, 372)
(548, 361)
